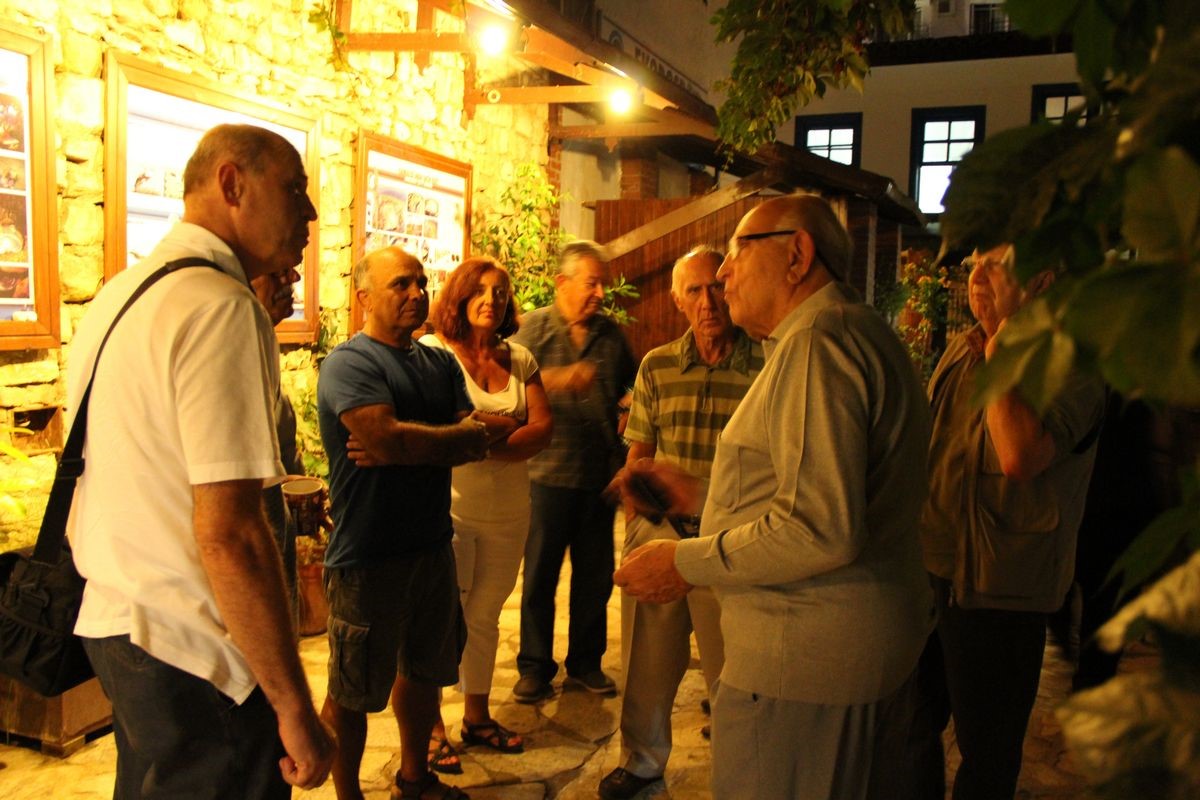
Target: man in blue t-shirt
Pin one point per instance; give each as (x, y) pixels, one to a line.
(395, 417)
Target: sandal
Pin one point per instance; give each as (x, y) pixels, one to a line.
(417, 790)
(494, 735)
(443, 757)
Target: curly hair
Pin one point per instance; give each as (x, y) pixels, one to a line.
(449, 316)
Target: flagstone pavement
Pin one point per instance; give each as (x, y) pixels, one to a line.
(571, 738)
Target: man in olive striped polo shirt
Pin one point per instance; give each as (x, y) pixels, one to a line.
(685, 393)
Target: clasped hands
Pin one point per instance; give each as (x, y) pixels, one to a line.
(654, 488)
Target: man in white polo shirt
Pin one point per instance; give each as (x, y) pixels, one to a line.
(185, 617)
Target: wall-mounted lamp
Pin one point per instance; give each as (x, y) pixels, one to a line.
(493, 39)
(620, 101)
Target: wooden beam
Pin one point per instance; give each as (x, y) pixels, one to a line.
(683, 126)
(468, 87)
(546, 16)
(552, 53)
(693, 211)
(342, 11)
(540, 94)
(415, 41)
(424, 23)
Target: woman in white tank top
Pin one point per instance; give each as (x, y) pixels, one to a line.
(473, 315)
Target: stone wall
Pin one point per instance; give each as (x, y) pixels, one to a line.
(265, 49)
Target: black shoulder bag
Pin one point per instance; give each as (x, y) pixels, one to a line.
(41, 589)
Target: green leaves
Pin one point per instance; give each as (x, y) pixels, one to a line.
(1162, 205)
(1051, 213)
(1032, 354)
(789, 52)
(519, 235)
(1153, 548)
(1142, 324)
(1093, 38)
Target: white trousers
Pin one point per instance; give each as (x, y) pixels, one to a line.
(488, 556)
(655, 651)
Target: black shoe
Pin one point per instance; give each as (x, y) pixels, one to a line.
(595, 682)
(621, 784)
(531, 689)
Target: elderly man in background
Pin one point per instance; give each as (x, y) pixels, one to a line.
(274, 291)
(1006, 495)
(586, 367)
(185, 616)
(685, 393)
(809, 531)
(395, 417)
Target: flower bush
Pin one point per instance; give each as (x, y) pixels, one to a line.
(919, 305)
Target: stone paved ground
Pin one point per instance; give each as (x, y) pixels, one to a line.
(570, 739)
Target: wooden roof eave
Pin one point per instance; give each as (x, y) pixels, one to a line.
(799, 169)
(544, 16)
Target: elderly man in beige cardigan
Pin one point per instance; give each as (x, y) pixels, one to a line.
(809, 528)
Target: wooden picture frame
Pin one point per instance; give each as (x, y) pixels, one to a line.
(29, 295)
(159, 115)
(418, 200)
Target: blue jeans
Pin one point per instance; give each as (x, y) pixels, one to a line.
(178, 737)
(581, 521)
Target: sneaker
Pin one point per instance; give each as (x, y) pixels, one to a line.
(530, 689)
(621, 784)
(595, 682)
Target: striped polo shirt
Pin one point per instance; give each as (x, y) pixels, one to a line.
(681, 404)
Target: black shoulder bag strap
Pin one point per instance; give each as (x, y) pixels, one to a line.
(70, 466)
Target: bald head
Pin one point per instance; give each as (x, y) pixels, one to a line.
(247, 186)
(783, 251)
(814, 215)
(248, 146)
(700, 254)
(360, 276)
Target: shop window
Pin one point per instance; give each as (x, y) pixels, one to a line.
(837, 137)
(940, 138)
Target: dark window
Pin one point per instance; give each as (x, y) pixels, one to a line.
(837, 137)
(988, 18)
(940, 138)
(1051, 101)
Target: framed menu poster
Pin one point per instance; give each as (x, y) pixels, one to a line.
(28, 208)
(413, 199)
(154, 119)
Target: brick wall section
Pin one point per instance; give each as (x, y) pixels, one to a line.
(639, 174)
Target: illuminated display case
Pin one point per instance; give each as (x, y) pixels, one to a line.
(155, 118)
(413, 199)
(28, 213)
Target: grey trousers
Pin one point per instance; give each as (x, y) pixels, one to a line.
(765, 747)
(655, 651)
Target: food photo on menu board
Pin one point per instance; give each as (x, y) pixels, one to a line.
(419, 209)
(14, 247)
(12, 123)
(12, 173)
